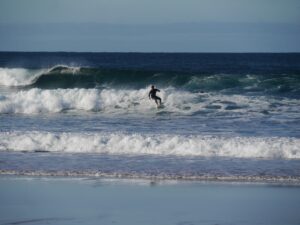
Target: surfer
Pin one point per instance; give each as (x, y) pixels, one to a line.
(152, 95)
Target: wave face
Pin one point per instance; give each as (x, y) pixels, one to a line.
(139, 144)
(19, 76)
(81, 77)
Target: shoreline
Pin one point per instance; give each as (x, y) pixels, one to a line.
(155, 179)
(150, 167)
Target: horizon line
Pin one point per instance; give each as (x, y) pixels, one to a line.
(155, 52)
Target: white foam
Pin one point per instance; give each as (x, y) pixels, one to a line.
(18, 76)
(118, 101)
(14, 77)
(67, 69)
(50, 101)
(122, 143)
(109, 100)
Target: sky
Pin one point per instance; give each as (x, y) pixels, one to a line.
(150, 25)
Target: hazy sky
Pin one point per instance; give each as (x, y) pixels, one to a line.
(149, 25)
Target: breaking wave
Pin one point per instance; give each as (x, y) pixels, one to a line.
(163, 144)
(61, 76)
(19, 76)
(121, 101)
(16, 77)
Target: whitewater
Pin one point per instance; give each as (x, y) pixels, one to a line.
(138, 144)
(234, 119)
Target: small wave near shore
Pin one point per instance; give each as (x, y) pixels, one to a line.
(163, 144)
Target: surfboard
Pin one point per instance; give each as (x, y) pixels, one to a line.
(161, 106)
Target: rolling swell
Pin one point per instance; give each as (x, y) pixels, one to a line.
(98, 78)
(84, 77)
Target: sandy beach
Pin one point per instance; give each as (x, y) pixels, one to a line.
(46, 200)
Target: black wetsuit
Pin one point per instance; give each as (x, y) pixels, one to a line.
(152, 94)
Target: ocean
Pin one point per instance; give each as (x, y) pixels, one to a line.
(226, 117)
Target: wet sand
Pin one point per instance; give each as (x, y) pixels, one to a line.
(62, 200)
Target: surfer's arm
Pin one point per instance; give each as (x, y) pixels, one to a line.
(149, 95)
(158, 90)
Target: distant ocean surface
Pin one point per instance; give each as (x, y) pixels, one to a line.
(225, 117)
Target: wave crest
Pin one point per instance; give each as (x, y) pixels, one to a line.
(16, 77)
(19, 76)
(61, 76)
(163, 144)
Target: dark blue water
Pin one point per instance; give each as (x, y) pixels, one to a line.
(213, 63)
(237, 113)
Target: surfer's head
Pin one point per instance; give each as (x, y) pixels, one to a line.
(152, 86)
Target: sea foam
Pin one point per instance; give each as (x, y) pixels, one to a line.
(19, 76)
(108, 100)
(15, 77)
(162, 144)
(120, 101)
